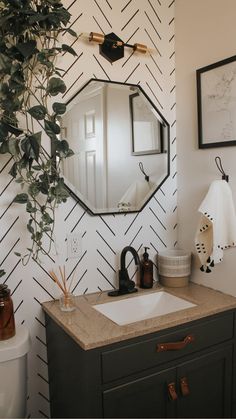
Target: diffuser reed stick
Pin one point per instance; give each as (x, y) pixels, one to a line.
(66, 300)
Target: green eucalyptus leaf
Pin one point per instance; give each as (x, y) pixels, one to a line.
(5, 64)
(23, 162)
(13, 146)
(4, 89)
(44, 185)
(59, 108)
(17, 77)
(37, 167)
(52, 129)
(38, 235)
(47, 228)
(21, 198)
(17, 254)
(3, 131)
(41, 56)
(30, 162)
(63, 146)
(13, 170)
(30, 228)
(19, 179)
(30, 208)
(44, 188)
(16, 68)
(55, 3)
(71, 32)
(70, 153)
(51, 198)
(33, 189)
(67, 48)
(56, 86)
(60, 191)
(38, 112)
(63, 15)
(14, 130)
(47, 64)
(31, 145)
(62, 149)
(11, 104)
(27, 48)
(38, 17)
(4, 147)
(47, 219)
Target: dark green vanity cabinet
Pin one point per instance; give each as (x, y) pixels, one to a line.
(134, 378)
(209, 395)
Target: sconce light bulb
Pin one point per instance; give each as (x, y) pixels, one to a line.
(140, 48)
(84, 36)
(96, 37)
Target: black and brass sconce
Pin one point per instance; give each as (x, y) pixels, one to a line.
(111, 46)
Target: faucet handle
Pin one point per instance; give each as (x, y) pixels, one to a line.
(126, 285)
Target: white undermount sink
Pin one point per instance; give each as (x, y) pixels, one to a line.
(142, 307)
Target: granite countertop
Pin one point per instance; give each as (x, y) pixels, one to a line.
(91, 329)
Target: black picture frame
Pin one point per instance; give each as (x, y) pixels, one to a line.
(216, 104)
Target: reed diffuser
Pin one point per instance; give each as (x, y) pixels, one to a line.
(66, 299)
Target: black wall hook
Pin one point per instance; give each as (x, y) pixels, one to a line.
(142, 170)
(220, 168)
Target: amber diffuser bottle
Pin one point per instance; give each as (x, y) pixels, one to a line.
(7, 321)
(146, 271)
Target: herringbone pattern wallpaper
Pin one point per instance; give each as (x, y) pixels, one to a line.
(145, 21)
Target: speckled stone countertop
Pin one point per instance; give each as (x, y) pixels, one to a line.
(91, 329)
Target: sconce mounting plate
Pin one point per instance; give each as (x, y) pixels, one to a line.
(110, 50)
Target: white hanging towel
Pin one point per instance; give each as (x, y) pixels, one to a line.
(216, 230)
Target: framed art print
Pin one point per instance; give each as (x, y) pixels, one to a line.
(216, 100)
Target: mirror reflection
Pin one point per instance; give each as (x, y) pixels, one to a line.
(112, 128)
(147, 129)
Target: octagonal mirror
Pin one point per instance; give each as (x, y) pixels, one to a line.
(121, 145)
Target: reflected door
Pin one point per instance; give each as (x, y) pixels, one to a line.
(85, 128)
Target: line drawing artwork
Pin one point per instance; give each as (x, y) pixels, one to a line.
(219, 104)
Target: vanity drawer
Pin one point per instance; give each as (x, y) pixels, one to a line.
(136, 357)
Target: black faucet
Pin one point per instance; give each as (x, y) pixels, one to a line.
(126, 285)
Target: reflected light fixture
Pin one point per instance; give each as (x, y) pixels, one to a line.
(111, 46)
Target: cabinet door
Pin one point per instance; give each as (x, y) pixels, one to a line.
(142, 398)
(206, 386)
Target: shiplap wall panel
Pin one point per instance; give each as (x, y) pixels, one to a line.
(144, 21)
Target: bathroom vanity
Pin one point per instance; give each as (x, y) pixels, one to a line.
(177, 365)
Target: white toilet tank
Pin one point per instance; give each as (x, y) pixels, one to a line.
(13, 374)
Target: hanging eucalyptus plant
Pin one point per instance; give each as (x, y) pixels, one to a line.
(29, 114)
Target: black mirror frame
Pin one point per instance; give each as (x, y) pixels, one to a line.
(167, 125)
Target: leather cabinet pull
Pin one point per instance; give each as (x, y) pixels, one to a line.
(173, 346)
(172, 391)
(184, 386)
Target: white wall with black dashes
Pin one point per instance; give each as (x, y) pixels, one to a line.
(149, 22)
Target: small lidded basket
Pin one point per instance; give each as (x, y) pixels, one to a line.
(174, 267)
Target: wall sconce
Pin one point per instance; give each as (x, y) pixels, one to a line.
(111, 46)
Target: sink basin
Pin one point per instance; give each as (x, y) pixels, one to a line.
(142, 307)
